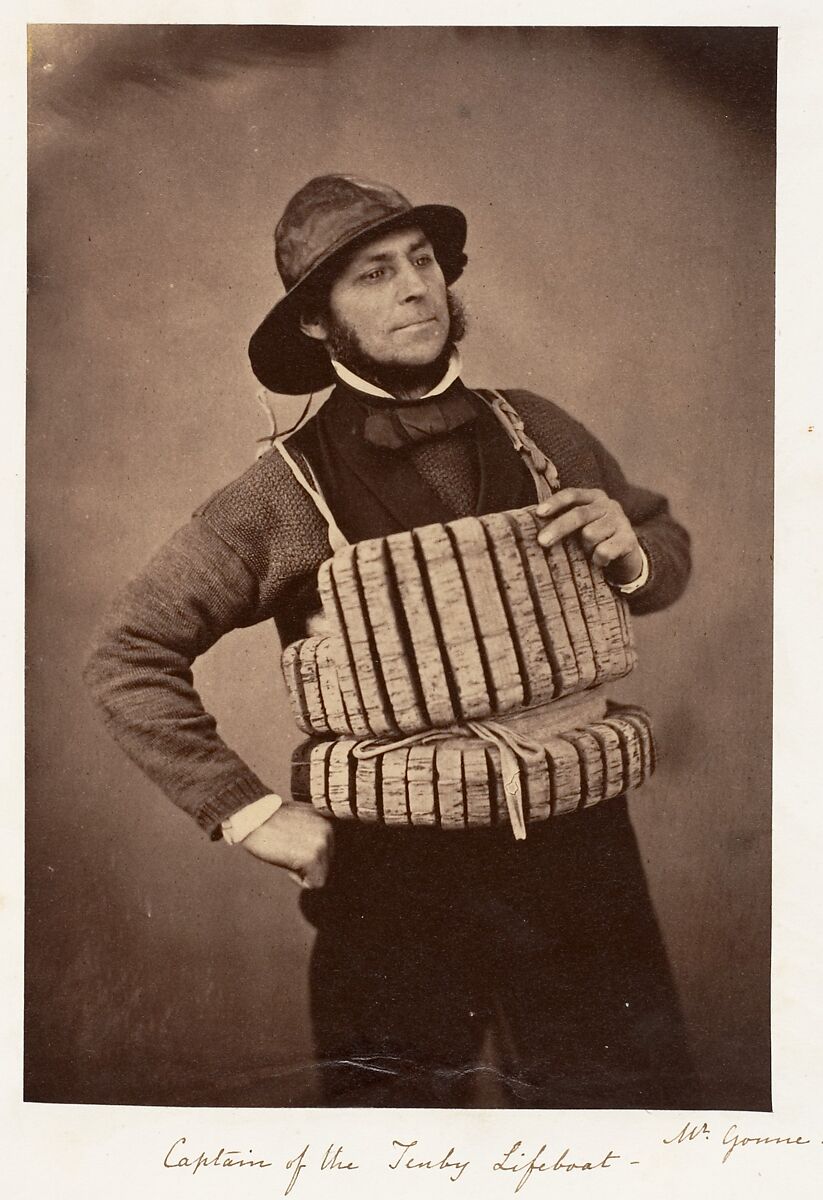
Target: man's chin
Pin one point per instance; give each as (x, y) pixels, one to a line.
(416, 362)
(417, 347)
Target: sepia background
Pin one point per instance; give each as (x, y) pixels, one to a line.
(619, 189)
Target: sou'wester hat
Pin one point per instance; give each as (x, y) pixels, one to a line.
(327, 219)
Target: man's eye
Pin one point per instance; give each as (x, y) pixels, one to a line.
(423, 260)
(377, 273)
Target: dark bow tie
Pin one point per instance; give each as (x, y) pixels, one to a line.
(394, 424)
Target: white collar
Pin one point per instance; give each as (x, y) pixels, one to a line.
(363, 385)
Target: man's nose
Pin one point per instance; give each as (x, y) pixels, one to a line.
(411, 284)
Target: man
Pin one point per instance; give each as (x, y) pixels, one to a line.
(426, 939)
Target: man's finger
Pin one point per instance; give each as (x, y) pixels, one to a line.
(316, 874)
(567, 497)
(611, 550)
(598, 531)
(564, 525)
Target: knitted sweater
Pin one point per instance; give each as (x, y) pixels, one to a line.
(251, 553)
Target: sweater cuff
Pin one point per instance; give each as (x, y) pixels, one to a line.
(238, 794)
(643, 599)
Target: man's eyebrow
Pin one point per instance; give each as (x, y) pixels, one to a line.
(377, 256)
(365, 258)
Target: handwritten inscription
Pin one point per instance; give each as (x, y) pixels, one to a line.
(732, 1139)
(334, 1159)
(296, 1165)
(176, 1157)
(688, 1133)
(447, 1161)
(518, 1162)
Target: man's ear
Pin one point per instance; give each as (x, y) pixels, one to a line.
(314, 327)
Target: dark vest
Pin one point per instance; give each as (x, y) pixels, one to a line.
(374, 491)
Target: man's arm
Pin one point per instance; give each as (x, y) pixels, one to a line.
(194, 590)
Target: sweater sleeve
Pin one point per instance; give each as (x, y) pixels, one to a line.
(193, 591)
(582, 461)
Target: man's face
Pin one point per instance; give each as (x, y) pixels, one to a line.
(390, 300)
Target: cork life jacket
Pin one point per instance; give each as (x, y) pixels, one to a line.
(457, 678)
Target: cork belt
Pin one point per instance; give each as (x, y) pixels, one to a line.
(511, 735)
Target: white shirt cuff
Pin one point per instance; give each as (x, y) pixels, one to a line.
(240, 824)
(627, 588)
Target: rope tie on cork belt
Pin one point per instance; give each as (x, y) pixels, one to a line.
(514, 738)
(542, 469)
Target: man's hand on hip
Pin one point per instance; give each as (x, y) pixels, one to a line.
(605, 530)
(298, 838)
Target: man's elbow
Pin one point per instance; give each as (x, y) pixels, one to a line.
(117, 663)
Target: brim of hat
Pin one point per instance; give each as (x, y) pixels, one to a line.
(288, 361)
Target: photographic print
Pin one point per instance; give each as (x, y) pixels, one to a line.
(400, 458)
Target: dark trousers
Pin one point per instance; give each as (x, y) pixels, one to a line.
(426, 938)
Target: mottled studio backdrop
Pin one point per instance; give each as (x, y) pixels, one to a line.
(619, 191)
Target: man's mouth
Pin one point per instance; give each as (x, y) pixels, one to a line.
(416, 324)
